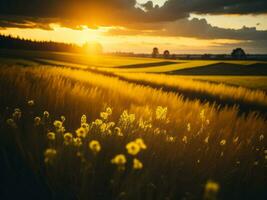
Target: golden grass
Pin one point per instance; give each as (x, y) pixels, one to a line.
(78, 92)
(253, 82)
(162, 146)
(220, 91)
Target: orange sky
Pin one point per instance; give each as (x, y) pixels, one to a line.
(138, 44)
(176, 43)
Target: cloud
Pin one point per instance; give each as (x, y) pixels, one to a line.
(175, 9)
(27, 22)
(197, 28)
(75, 12)
(118, 12)
(130, 18)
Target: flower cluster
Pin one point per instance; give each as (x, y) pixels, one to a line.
(161, 113)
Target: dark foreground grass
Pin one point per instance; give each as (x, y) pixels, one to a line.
(171, 169)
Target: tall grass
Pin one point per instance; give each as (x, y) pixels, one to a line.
(187, 142)
(218, 91)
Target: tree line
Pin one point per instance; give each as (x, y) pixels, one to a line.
(237, 53)
(10, 42)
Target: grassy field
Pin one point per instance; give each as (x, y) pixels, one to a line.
(258, 82)
(89, 130)
(92, 61)
(253, 82)
(203, 89)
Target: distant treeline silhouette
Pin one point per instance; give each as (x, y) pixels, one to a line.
(10, 42)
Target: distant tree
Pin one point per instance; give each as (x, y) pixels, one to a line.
(238, 53)
(166, 54)
(155, 52)
(9, 42)
(206, 56)
(173, 56)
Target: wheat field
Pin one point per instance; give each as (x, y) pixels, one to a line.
(84, 135)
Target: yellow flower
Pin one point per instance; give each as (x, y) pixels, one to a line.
(157, 131)
(95, 146)
(108, 110)
(161, 113)
(77, 142)
(98, 122)
(235, 140)
(137, 164)
(261, 137)
(103, 127)
(63, 118)
(68, 138)
(184, 139)
(17, 113)
(46, 114)
(17, 110)
(140, 143)
(222, 142)
(30, 102)
(206, 140)
(213, 186)
(49, 154)
(118, 132)
(51, 136)
(83, 119)
(11, 122)
(133, 148)
(104, 115)
(119, 159)
(126, 119)
(170, 138)
(188, 127)
(37, 121)
(110, 125)
(85, 126)
(211, 190)
(58, 124)
(81, 132)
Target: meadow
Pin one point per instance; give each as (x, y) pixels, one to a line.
(108, 129)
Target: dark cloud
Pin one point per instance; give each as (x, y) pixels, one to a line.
(120, 12)
(148, 6)
(76, 12)
(146, 19)
(174, 9)
(25, 22)
(197, 28)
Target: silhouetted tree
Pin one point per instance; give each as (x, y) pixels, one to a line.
(238, 53)
(173, 56)
(155, 52)
(166, 54)
(206, 56)
(9, 42)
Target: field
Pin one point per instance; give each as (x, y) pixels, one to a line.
(110, 127)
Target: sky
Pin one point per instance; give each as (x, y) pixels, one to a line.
(181, 26)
